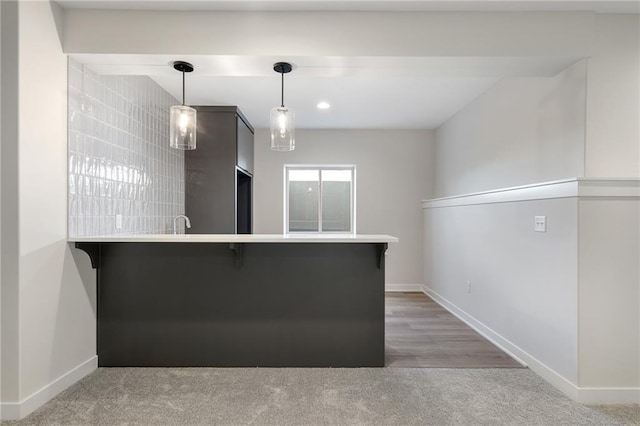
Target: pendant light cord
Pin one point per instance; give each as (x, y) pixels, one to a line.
(183, 87)
(282, 90)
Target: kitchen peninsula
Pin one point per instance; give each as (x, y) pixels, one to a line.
(240, 300)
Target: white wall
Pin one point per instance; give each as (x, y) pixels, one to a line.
(609, 296)
(523, 283)
(55, 324)
(566, 301)
(9, 205)
(582, 122)
(520, 131)
(352, 33)
(393, 168)
(0, 207)
(613, 101)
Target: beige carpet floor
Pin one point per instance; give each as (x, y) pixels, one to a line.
(286, 396)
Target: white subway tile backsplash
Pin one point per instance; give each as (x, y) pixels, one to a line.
(120, 161)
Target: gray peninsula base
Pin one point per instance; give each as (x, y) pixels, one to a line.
(239, 304)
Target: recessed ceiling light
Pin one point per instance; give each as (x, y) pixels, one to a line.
(323, 105)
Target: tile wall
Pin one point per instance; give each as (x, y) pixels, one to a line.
(120, 162)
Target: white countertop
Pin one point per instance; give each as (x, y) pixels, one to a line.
(233, 238)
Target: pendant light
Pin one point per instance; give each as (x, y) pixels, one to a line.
(282, 118)
(182, 121)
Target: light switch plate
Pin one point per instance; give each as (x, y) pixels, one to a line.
(118, 221)
(540, 224)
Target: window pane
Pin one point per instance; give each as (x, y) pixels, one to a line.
(336, 175)
(303, 200)
(336, 200)
(304, 175)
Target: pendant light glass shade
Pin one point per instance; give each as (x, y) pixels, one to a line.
(182, 118)
(283, 129)
(182, 127)
(283, 124)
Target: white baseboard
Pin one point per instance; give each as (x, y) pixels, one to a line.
(20, 410)
(512, 350)
(526, 359)
(582, 395)
(609, 395)
(403, 287)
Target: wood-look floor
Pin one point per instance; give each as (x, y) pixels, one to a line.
(421, 333)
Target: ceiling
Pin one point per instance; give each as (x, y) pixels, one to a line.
(602, 6)
(364, 92)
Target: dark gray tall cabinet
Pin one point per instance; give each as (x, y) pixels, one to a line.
(219, 173)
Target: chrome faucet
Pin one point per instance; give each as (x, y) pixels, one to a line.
(187, 223)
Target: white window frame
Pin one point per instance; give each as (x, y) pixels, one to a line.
(320, 167)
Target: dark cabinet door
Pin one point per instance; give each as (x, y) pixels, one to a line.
(210, 175)
(245, 146)
(218, 173)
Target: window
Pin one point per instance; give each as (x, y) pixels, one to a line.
(319, 199)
